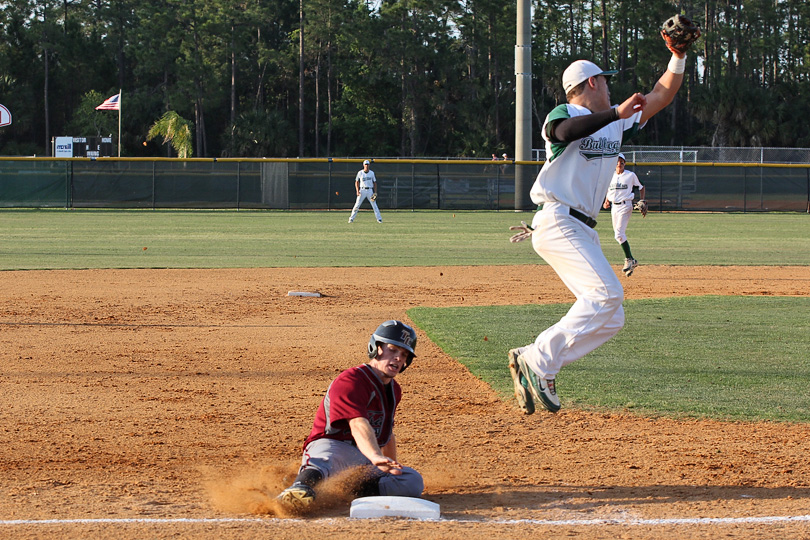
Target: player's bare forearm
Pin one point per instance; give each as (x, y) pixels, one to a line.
(662, 95)
(364, 438)
(366, 441)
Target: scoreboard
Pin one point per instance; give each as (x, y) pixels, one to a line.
(91, 147)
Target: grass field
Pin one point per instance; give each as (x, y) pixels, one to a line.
(75, 239)
(739, 358)
(729, 357)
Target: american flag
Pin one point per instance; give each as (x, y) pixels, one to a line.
(111, 104)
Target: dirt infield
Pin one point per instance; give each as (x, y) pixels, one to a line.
(185, 394)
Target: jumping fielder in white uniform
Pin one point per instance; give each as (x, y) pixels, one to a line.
(583, 138)
(620, 201)
(365, 184)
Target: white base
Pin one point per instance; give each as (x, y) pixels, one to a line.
(386, 506)
(304, 293)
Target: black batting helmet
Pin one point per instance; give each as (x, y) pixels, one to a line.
(396, 333)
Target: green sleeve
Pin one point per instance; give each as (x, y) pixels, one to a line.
(630, 132)
(560, 112)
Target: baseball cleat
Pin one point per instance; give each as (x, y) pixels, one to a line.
(297, 496)
(543, 391)
(629, 266)
(522, 394)
(548, 394)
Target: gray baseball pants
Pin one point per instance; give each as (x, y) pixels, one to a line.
(331, 457)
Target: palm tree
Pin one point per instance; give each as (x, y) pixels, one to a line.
(175, 130)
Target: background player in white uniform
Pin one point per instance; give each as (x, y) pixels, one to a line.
(620, 201)
(365, 184)
(583, 138)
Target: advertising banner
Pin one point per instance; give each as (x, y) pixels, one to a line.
(5, 116)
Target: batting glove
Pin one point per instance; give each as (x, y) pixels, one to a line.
(525, 232)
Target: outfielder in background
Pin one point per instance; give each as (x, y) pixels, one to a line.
(354, 426)
(583, 138)
(365, 184)
(620, 202)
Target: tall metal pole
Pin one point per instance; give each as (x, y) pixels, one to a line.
(523, 109)
(301, 78)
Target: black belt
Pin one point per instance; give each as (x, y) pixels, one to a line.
(367, 188)
(587, 220)
(620, 202)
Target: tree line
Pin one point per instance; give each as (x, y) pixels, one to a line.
(332, 78)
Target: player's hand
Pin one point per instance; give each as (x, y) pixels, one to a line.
(632, 105)
(606, 205)
(525, 232)
(388, 465)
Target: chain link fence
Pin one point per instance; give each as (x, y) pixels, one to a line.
(704, 154)
(692, 182)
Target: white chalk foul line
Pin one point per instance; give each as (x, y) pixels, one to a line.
(540, 522)
(647, 522)
(91, 521)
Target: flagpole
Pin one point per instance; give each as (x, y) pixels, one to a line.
(119, 121)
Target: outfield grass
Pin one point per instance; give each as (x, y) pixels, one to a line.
(737, 358)
(73, 239)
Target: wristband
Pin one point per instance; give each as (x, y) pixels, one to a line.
(677, 65)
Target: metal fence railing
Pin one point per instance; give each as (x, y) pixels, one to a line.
(303, 184)
(705, 154)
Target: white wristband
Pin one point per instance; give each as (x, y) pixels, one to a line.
(677, 65)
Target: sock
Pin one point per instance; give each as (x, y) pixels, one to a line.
(309, 477)
(626, 248)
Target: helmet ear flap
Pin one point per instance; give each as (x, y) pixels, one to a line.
(407, 363)
(372, 348)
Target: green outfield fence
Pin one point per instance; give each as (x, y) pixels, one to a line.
(328, 184)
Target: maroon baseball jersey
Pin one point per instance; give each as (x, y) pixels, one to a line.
(356, 393)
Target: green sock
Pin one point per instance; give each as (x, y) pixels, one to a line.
(626, 248)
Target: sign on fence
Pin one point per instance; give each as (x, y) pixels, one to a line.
(5, 116)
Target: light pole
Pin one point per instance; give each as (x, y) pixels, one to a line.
(523, 104)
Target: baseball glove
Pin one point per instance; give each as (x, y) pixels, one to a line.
(679, 32)
(373, 196)
(641, 206)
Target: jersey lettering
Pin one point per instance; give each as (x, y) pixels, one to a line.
(591, 148)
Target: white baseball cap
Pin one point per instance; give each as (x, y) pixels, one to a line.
(621, 156)
(580, 71)
(366, 162)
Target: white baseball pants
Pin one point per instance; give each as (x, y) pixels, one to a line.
(620, 215)
(365, 193)
(573, 250)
